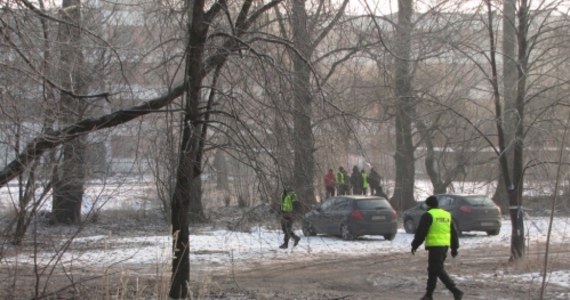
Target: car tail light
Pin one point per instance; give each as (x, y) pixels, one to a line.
(465, 209)
(356, 214)
(394, 215)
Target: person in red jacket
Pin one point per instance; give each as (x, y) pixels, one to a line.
(330, 183)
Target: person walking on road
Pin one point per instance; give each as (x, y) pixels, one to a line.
(288, 199)
(437, 230)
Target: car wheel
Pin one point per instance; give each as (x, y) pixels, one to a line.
(409, 226)
(345, 232)
(389, 237)
(493, 232)
(308, 229)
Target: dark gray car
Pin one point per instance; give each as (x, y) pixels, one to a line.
(470, 213)
(352, 216)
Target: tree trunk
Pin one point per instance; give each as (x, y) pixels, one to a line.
(222, 182)
(517, 237)
(69, 185)
(501, 196)
(188, 170)
(513, 178)
(304, 140)
(196, 208)
(180, 207)
(404, 157)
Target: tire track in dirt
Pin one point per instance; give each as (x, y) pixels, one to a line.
(482, 273)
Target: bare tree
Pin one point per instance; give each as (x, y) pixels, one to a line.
(534, 97)
(186, 197)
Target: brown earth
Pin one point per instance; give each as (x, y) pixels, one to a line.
(480, 273)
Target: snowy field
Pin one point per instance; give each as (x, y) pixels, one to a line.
(222, 249)
(214, 249)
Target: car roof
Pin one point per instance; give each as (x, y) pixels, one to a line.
(463, 195)
(363, 197)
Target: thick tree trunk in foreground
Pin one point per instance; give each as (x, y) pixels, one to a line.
(303, 144)
(69, 183)
(404, 157)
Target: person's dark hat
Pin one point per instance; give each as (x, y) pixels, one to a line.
(431, 201)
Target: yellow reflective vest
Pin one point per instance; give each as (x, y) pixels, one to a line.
(287, 202)
(364, 180)
(439, 233)
(340, 178)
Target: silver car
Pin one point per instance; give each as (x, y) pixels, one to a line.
(470, 213)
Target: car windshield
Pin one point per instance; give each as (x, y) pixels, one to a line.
(369, 204)
(479, 201)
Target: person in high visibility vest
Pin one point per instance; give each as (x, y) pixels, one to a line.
(342, 181)
(364, 182)
(288, 199)
(437, 230)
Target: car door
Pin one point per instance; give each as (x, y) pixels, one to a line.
(337, 214)
(327, 215)
(320, 219)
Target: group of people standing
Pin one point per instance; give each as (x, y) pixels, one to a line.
(359, 182)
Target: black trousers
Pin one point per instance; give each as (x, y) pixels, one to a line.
(377, 191)
(287, 227)
(330, 191)
(436, 269)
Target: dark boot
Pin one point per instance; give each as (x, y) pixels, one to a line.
(296, 241)
(285, 244)
(457, 294)
(426, 297)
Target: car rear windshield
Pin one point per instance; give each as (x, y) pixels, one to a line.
(479, 201)
(369, 204)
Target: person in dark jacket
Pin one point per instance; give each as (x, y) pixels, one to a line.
(375, 187)
(437, 230)
(356, 181)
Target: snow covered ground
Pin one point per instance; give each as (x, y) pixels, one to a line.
(221, 248)
(212, 248)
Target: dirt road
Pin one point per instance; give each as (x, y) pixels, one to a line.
(481, 273)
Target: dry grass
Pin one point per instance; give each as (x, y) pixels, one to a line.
(66, 280)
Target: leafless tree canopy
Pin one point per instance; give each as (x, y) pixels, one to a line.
(225, 102)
